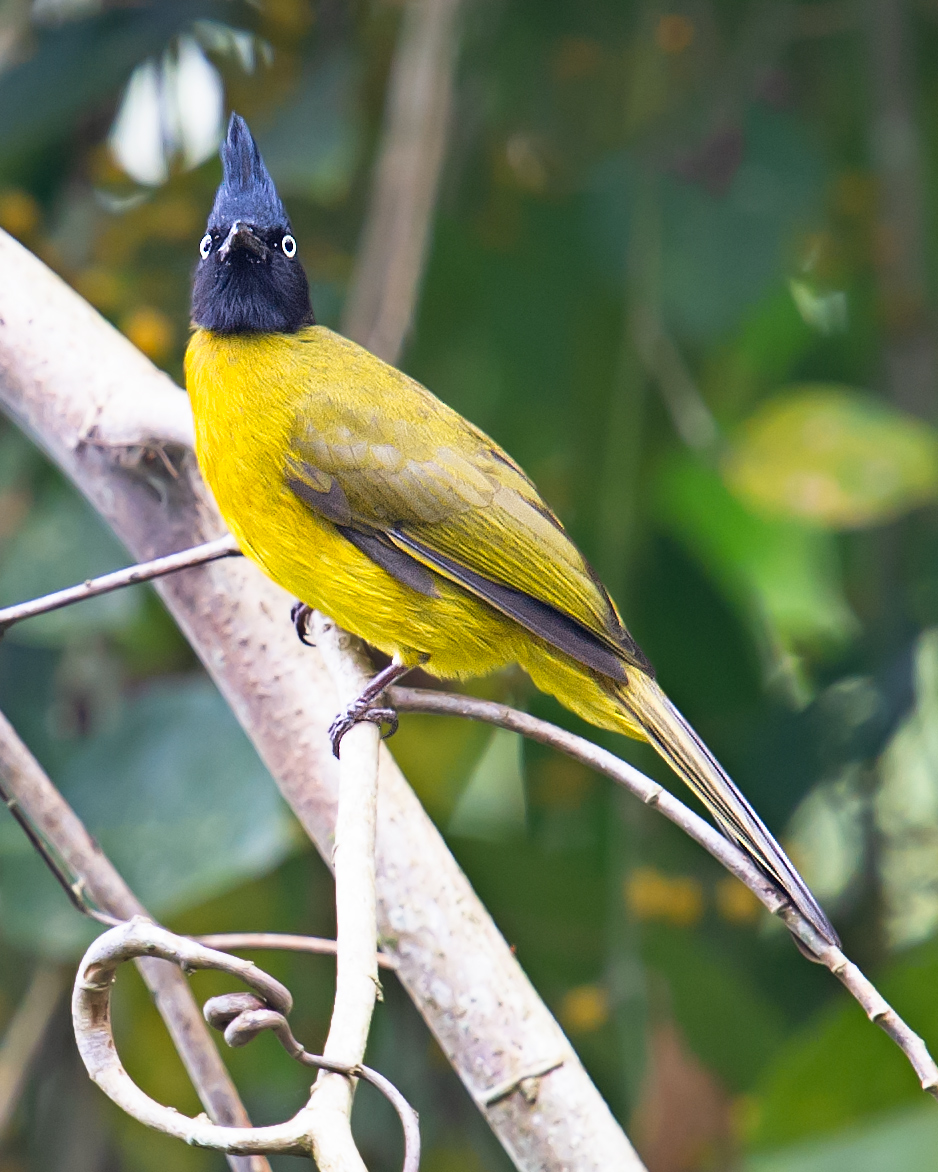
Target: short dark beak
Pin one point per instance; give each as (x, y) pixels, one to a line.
(242, 236)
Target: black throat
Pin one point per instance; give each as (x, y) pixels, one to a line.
(244, 294)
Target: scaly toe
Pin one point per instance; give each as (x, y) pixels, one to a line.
(353, 715)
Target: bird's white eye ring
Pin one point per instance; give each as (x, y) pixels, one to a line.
(205, 245)
(288, 244)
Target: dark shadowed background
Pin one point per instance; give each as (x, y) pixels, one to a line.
(683, 269)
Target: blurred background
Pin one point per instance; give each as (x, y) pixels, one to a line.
(683, 266)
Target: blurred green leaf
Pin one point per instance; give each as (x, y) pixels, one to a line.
(906, 810)
(903, 1142)
(313, 147)
(832, 456)
(827, 834)
(179, 802)
(783, 576)
(729, 212)
(89, 61)
(825, 311)
(62, 542)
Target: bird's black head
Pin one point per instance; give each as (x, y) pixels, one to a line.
(249, 279)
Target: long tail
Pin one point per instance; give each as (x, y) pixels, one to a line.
(690, 758)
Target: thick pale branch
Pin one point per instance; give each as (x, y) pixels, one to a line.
(26, 783)
(724, 851)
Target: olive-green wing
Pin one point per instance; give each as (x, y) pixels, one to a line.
(420, 490)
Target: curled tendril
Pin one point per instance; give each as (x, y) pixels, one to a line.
(242, 1016)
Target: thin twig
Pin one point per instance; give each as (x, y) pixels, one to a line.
(55, 823)
(25, 1034)
(223, 547)
(243, 1016)
(279, 941)
(724, 851)
(74, 892)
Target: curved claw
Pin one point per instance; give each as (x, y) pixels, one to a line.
(355, 714)
(299, 616)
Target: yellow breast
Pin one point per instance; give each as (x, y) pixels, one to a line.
(246, 392)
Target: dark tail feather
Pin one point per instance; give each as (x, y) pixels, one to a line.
(690, 758)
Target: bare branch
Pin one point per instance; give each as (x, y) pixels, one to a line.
(390, 260)
(725, 852)
(243, 1016)
(55, 821)
(223, 547)
(261, 941)
(25, 1034)
(140, 938)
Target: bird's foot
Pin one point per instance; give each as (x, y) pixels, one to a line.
(356, 713)
(299, 616)
(364, 707)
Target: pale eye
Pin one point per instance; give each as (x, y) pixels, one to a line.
(288, 244)
(205, 245)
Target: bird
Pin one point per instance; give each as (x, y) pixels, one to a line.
(369, 499)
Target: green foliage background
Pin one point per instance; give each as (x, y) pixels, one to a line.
(683, 272)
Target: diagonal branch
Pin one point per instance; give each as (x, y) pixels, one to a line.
(223, 547)
(27, 784)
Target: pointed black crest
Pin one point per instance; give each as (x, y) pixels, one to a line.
(247, 191)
